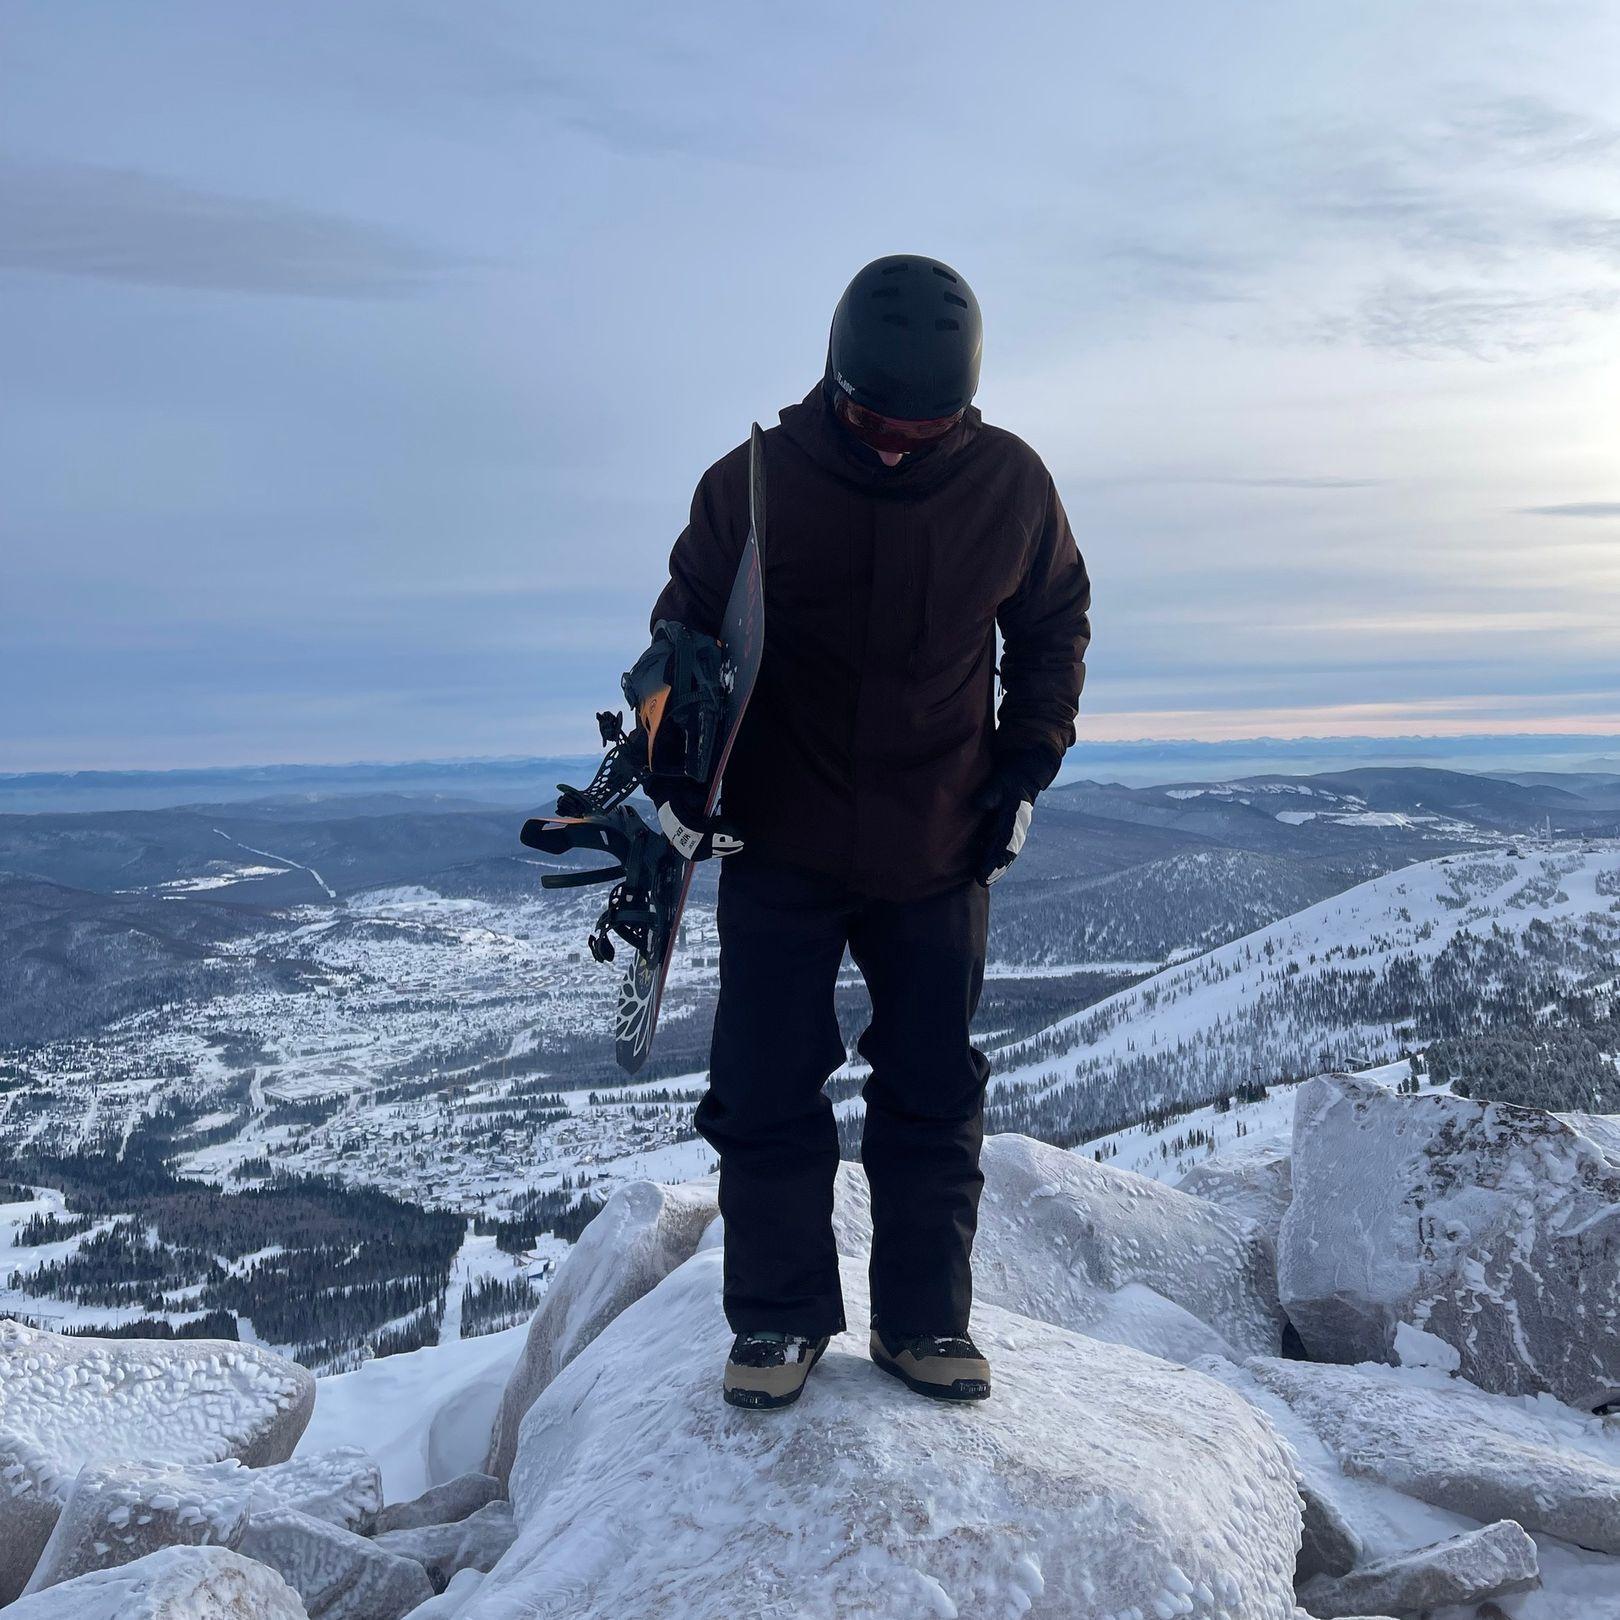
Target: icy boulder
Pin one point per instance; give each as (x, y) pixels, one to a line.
(1495, 1229)
(67, 1402)
(1251, 1178)
(118, 1512)
(339, 1576)
(342, 1486)
(1480, 1564)
(643, 1233)
(444, 1550)
(1116, 1256)
(448, 1503)
(1438, 1439)
(179, 1583)
(1097, 1482)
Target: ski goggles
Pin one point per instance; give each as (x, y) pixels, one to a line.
(891, 432)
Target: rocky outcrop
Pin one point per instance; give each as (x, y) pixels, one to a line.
(342, 1486)
(179, 1583)
(338, 1575)
(117, 1513)
(1481, 1564)
(1116, 1256)
(1446, 1443)
(1495, 1229)
(642, 1234)
(68, 1402)
(441, 1504)
(638, 1492)
(1252, 1179)
(443, 1550)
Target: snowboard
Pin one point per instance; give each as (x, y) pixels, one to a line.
(742, 642)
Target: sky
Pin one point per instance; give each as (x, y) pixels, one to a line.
(359, 361)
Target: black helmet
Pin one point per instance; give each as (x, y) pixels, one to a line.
(906, 338)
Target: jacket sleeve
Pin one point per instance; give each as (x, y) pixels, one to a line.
(1045, 630)
(704, 559)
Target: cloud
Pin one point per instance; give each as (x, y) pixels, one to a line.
(1575, 509)
(80, 219)
(1481, 322)
(1307, 481)
(1527, 129)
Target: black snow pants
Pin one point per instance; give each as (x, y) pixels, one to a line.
(783, 931)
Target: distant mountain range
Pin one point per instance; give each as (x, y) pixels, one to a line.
(524, 781)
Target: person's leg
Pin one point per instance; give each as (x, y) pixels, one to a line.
(776, 1040)
(923, 962)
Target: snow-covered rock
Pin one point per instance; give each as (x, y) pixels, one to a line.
(638, 1492)
(1253, 1178)
(1453, 1446)
(68, 1402)
(440, 1504)
(1116, 1256)
(118, 1512)
(1469, 1568)
(179, 1583)
(1328, 1545)
(337, 1574)
(475, 1542)
(1493, 1228)
(342, 1486)
(641, 1235)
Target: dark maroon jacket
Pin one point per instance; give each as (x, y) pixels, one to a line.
(874, 718)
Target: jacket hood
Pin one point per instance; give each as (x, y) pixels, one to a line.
(814, 429)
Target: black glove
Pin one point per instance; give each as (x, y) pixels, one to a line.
(1007, 801)
(691, 833)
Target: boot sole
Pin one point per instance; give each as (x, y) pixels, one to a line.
(758, 1400)
(961, 1389)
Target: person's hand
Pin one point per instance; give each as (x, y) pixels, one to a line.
(692, 834)
(1007, 803)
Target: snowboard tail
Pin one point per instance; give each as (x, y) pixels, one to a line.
(651, 880)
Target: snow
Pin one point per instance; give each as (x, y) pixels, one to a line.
(425, 1415)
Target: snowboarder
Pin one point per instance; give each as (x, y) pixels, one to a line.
(875, 791)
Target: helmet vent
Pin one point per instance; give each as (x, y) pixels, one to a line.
(957, 299)
(940, 270)
(895, 269)
(896, 320)
(947, 326)
(885, 292)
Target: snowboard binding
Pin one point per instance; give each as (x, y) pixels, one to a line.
(677, 689)
(688, 692)
(637, 850)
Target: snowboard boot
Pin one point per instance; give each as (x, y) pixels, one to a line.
(766, 1370)
(947, 1368)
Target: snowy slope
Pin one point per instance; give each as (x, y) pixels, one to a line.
(1334, 986)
